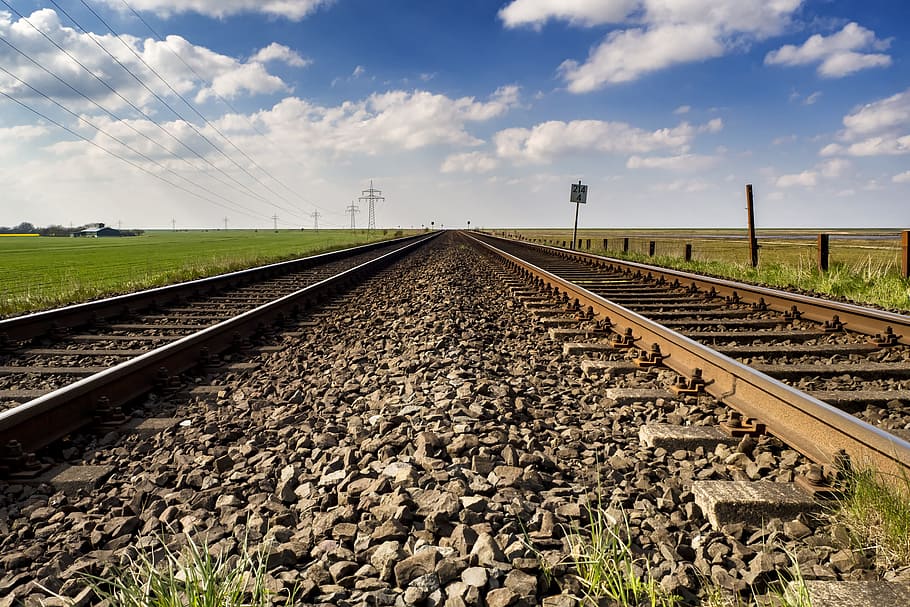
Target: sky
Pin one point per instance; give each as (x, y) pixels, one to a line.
(256, 113)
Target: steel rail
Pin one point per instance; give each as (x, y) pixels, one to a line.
(48, 418)
(28, 326)
(807, 424)
(854, 318)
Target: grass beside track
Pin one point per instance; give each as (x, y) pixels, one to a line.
(39, 273)
(864, 265)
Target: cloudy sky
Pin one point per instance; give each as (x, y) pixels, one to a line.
(145, 112)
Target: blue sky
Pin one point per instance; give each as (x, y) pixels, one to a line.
(459, 110)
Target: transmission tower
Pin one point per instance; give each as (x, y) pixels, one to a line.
(372, 196)
(275, 220)
(315, 215)
(353, 209)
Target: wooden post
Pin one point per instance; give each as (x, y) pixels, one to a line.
(625, 245)
(606, 248)
(753, 242)
(688, 251)
(651, 249)
(905, 253)
(823, 252)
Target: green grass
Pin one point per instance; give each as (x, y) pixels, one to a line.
(861, 268)
(191, 578)
(877, 513)
(38, 273)
(607, 567)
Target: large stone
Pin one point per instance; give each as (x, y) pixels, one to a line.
(419, 564)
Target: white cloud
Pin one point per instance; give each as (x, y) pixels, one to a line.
(683, 109)
(682, 162)
(806, 179)
(535, 13)
(552, 139)
(358, 71)
(902, 177)
(470, 162)
(629, 54)
(835, 167)
(229, 76)
(280, 52)
(812, 98)
(294, 10)
(837, 55)
(682, 185)
(395, 120)
(658, 33)
(880, 128)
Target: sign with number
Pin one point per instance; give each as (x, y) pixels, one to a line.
(579, 193)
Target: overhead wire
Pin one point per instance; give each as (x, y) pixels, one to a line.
(112, 115)
(168, 105)
(104, 149)
(121, 142)
(226, 102)
(132, 105)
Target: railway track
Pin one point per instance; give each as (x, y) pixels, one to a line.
(417, 438)
(67, 368)
(831, 379)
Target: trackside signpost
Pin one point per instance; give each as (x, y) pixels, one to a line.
(579, 196)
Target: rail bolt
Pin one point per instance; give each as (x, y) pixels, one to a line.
(793, 313)
(886, 339)
(692, 386)
(761, 306)
(834, 325)
(17, 463)
(626, 340)
(650, 358)
(734, 298)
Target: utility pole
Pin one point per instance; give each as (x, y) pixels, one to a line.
(275, 221)
(225, 223)
(353, 209)
(372, 196)
(174, 225)
(315, 215)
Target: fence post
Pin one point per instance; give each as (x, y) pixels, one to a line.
(625, 245)
(905, 253)
(651, 249)
(606, 248)
(753, 242)
(688, 251)
(823, 252)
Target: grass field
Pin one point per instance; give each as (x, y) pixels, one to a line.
(37, 273)
(864, 265)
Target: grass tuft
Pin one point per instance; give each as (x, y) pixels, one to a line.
(607, 568)
(190, 578)
(877, 514)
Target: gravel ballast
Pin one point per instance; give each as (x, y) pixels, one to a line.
(425, 444)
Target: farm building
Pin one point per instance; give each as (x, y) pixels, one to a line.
(97, 230)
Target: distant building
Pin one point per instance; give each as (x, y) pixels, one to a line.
(97, 230)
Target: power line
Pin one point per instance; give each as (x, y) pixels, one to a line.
(117, 139)
(169, 106)
(104, 149)
(223, 100)
(142, 112)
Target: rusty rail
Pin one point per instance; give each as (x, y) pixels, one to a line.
(809, 425)
(48, 418)
(854, 318)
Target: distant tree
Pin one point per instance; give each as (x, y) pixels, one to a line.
(24, 228)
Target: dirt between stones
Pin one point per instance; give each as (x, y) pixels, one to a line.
(426, 444)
